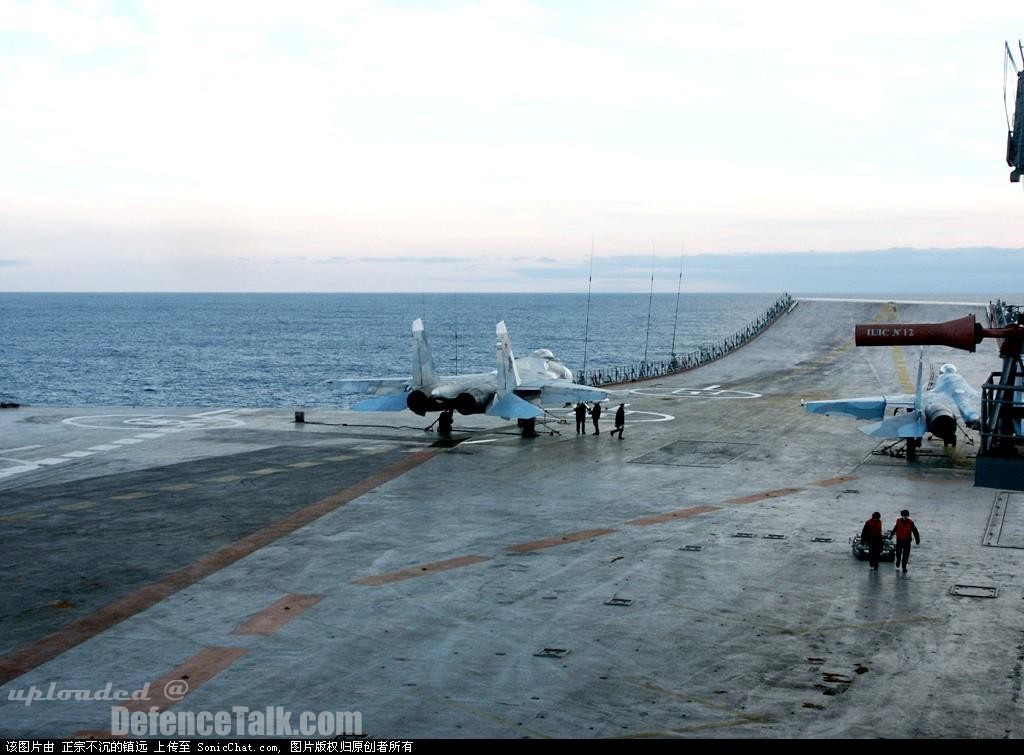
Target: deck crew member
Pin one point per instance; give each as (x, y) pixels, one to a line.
(620, 420)
(581, 418)
(871, 535)
(902, 532)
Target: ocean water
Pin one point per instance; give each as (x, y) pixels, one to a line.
(278, 350)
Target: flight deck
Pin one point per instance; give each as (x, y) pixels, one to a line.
(693, 579)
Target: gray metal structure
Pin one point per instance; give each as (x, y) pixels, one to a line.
(1015, 123)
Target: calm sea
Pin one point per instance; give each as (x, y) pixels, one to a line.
(272, 350)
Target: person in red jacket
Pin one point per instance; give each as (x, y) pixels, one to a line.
(871, 535)
(902, 531)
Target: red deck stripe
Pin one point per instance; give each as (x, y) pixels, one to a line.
(186, 678)
(26, 658)
(680, 514)
(419, 571)
(551, 542)
(275, 616)
(834, 480)
(761, 496)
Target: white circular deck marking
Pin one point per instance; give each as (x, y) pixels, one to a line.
(608, 415)
(711, 391)
(653, 416)
(164, 423)
(173, 422)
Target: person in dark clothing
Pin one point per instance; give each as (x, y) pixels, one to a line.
(902, 532)
(620, 420)
(444, 422)
(595, 413)
(581, 418)
(871, 535)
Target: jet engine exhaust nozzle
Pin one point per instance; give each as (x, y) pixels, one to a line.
(472, 402)
(943, 425)
(418, 402)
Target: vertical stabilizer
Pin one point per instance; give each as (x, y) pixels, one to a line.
(423, 372)
(506, 403)
(508, 375)
(918, 405)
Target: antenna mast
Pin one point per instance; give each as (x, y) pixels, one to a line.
(586, 327)
(679, 290)
(650, 302)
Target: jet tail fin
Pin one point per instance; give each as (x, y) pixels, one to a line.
(508, 373)
(869, 407)
(918, 404)
(423, 372)
(506, 403)
(394, 402)
(901, 426)
(510, 406)
(909, 425)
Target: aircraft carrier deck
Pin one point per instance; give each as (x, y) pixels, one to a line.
(694, 579)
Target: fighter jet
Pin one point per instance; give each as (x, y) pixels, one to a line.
(516, 389)
(936, 410)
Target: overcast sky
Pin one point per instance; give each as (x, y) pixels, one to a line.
(444, 146)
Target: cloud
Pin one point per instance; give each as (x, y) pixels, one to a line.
(490, 140)
(395, 260)
(13, 262)
(896, 270)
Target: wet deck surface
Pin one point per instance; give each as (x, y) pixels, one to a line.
(693, 579)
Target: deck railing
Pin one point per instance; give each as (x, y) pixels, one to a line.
(691, 359)
(1001, 314)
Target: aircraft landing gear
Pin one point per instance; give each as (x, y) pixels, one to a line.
(905, 447)
(444, 423)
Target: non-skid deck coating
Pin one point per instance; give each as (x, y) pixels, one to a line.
(693, 579)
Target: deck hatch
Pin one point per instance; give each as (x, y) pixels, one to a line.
(619, 602)
(974, 591)
(552, 652)
(1006, 521)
